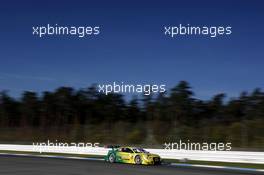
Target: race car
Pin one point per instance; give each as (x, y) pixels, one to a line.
(132, 155)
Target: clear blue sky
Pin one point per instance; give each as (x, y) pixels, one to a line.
(132, 47)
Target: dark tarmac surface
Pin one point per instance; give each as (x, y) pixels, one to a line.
(16, 165)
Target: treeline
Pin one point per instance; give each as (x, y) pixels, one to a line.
(86, 115)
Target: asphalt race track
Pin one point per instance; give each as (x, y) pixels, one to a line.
(15, 165)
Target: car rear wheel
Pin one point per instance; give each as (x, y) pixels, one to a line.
(111, 158)
(138, 160)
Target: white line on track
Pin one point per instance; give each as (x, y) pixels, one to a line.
(217, 167)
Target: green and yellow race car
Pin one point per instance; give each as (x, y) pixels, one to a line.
(132, 155)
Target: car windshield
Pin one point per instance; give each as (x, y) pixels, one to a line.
(139, 150)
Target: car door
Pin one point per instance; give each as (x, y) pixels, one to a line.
(126, 155)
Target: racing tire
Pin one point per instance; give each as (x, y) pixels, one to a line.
(111, 158)
(138, 160)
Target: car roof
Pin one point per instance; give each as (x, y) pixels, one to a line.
(126, 147)
(131, 147)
